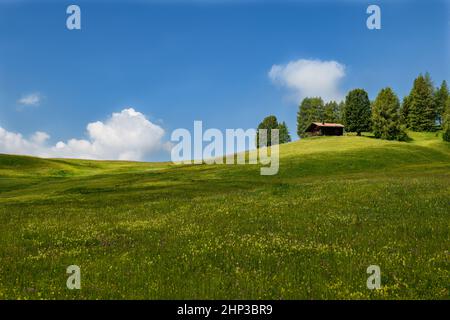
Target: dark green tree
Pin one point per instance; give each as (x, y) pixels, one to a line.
(332, 112)
(268, 123)
(341, 111)
(386, 116)
(310, 110)
(404, 112)
(357, 111)
(422, 108)
(284, 135)
(441, 97)
(446, 135)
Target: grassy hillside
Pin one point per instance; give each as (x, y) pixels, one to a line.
(158, 230)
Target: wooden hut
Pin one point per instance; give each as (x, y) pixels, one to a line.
(325, 129)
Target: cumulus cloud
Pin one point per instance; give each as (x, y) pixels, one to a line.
(32, 99)
(310, 78)
(127, 135)
(15, 143)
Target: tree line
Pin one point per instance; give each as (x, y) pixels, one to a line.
(425, 108)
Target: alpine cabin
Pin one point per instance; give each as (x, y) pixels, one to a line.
(325, 129)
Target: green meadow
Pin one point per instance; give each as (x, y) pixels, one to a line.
(166, 231)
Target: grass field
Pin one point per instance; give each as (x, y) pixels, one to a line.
(161, 231)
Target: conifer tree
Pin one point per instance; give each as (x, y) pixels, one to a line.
(310, 110)
(404, 112)
(357, 111)
(284, 133)
(341, 111)
(386, 116)
(441, 96)
(446, 135)
(268, 123)
(422, 111)
(331, 112)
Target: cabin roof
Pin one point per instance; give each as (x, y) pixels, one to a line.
(327, 124)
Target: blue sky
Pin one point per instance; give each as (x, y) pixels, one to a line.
(202, 60)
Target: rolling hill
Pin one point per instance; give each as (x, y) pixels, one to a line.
(165, 231)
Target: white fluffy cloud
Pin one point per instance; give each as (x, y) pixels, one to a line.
(310, 78)
(127, 135)
(33, 99)
(15, 143)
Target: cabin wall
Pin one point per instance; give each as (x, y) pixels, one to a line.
(332, 131)
(326, 131)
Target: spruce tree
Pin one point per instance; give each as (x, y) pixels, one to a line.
(404, 112)
(357, 111)
(268, 123)
(331, 112)
(284, 133)
(386, 116)
(446, 135)
(310, 110)
(422, 112)
(441, 97)
(341, 112)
